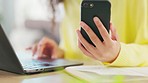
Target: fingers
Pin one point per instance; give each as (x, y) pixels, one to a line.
(110, 47)
(102, 30)
(114, 35)
(88, 46)
(113, 32)
(34, 50)
(40, 50)
(85, 51)
(91, 34)
(46, 48)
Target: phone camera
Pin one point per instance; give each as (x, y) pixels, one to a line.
(91, 5)
(86, 5)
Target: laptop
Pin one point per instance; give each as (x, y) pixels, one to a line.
(9, 60)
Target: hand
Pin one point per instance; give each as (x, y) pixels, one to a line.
(106, 51)
(47, 48)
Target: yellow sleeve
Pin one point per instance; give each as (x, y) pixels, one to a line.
(132, 55)
(133, 31)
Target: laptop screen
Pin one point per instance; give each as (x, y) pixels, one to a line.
(18, 42)
(25, 23)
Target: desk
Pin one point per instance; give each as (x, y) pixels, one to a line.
(48, 77)
(63, 77)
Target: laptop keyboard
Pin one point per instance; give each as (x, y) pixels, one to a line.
(35, 64)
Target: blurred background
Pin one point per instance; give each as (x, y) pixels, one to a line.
(25, 22)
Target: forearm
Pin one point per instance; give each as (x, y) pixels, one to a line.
(132, 55)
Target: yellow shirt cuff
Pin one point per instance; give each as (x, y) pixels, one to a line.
(121, 59)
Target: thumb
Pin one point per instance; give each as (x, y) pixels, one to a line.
(54, 54)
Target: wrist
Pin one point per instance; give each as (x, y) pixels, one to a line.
(117, 53)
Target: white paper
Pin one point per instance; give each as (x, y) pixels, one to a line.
(101, 70)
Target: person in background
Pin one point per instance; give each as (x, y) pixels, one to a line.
(131, 20)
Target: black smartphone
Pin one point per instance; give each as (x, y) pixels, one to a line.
(95, 8)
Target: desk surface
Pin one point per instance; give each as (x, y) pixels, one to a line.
(63, 77)
(48, 77)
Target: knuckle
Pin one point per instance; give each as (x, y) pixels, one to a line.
(105, 34)
(83, 40)
(87, 29)
(89, 48)
(99, 24)
(94, 39)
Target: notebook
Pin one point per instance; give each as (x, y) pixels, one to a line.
(93, 73)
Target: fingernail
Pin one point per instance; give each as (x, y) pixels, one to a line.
(77, 31)
(96, 18)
